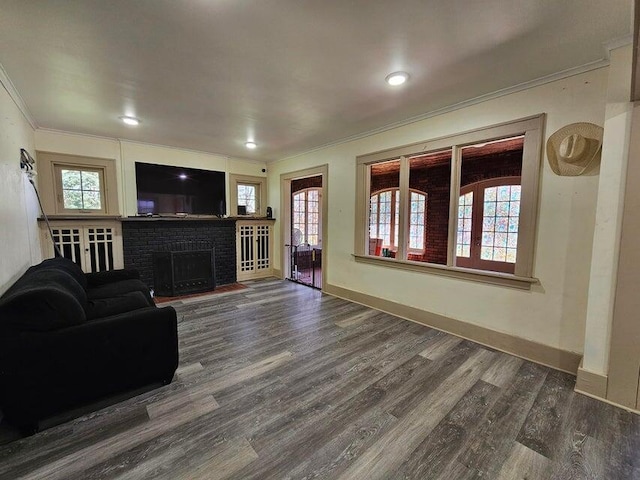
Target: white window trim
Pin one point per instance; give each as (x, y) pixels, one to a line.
(261, 193)
(50, 185)
(531, 128)
(60, 208)
(257, 195)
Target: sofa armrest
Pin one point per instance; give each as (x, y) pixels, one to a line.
(44, 373)
(97, 279)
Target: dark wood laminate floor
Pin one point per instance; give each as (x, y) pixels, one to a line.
(278, 381)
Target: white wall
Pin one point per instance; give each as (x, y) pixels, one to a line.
(127, 153)
(18, 204)
(553, 312)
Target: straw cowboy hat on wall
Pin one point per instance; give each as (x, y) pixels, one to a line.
(575, 149)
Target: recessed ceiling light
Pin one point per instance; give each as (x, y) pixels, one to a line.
(250, 145)
(133, 121)
(397, 78)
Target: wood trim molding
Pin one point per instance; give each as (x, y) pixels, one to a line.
(604, 400)
(553, 357)
(234, 180)
(77, 218)
(533, 130)
(483, 276)
(591, 383)
(532, 123)
(48, 181)
(635, 70)
(8, 85)
(285, 216)
(624, 356)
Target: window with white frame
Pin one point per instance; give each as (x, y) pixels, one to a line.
(80, 189)
(479, 209)
(306, 215)
(78, 185)
(249, 192)
(249, 197)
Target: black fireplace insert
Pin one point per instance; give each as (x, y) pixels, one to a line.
(182, 269)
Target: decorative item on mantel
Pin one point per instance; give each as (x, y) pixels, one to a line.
(575, 149)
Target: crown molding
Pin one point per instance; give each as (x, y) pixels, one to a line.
(570, 72)
(122, 141)
(76, 134)
(15, 96)
(617, 43)
(169, 147)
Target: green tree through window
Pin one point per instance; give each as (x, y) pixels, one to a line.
(81, 190)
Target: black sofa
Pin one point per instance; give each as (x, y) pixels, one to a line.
(69, 339)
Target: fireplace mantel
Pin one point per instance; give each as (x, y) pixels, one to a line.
(175, 219)
(193, 219)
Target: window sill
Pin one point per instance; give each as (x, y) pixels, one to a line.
(90, 216)
(494, 278)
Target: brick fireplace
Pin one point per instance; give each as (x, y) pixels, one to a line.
(141, 237)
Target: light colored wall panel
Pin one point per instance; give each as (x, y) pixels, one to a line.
(19, 235)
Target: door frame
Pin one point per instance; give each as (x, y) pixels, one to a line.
(285, 208)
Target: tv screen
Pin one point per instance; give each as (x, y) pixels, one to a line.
(167, 190)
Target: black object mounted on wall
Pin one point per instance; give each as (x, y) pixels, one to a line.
(27, 162)
(269, 212)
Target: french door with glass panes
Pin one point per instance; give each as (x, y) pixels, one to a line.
(306, 237)
(487, 234)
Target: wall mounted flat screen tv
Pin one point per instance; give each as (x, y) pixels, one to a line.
(168, 190)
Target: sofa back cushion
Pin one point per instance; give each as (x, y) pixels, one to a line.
(65, 265)
(105, 307)
(42, 300)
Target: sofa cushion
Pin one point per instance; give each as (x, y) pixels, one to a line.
(97, 279)
(105, 307)
(119, 288)
(64, 264)
(43, 300)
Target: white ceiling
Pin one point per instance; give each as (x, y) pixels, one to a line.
(290, 74)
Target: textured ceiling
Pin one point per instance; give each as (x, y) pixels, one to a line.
(290, 74)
